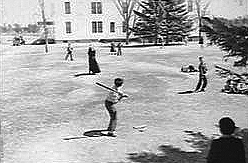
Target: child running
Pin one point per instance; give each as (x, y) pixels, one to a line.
(112, 99)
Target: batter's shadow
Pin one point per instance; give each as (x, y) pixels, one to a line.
(90, 133)
(186, 92)
(95, 133)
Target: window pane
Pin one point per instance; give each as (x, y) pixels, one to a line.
(93, 7)
(94, 27)
(67, 8)
(112, 26)
(99, 7)
(68, 27)
(99, 24)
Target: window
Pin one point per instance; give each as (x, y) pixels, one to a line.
(124, 27)
(99, 7)
(67, 8)
(112, 26)
(68, 27)
(94, 27)
(190, 5)
(97, 27)
(96, 7)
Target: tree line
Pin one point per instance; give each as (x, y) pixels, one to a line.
(12, 28)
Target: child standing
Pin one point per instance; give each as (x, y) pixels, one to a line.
(202, 83)
(119, 52)
(112, 47)
(69, 52)
(112, 99)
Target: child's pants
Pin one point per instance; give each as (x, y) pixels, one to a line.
(110, 106)
(202, 79)
(67, 55)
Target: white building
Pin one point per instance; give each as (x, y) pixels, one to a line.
(87, 20)
(100, 19)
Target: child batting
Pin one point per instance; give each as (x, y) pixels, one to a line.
(110, 103)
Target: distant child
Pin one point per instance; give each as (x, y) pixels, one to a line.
(69, 52)
(112, 47)
(112, 99)
(202, 83)
(119, 52)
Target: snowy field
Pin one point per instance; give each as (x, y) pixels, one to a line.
(46, 110)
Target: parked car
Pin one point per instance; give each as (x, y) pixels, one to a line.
(42, 41)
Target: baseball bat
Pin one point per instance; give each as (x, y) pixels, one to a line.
(106, 87)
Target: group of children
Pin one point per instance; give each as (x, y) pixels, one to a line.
(113, 97)
(113, 50)
(227, 148)
(69, 50)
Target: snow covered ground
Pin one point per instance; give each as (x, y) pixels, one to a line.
(46, 110)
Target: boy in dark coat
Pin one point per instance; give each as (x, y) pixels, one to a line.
(227, 148)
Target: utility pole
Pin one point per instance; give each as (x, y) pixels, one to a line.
(42, 7)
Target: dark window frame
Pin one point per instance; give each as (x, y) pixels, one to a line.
(96, 7)
(100, 26)
(94, 27)
(67, 8)
(68, 27)
(97, 26)
(112, 27)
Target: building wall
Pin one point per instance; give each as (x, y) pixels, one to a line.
(81, 17)
(81, 20)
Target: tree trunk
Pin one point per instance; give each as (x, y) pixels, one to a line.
(127, 33)
(200, 36)
(46, 39)
(127, 29)
(42, 5)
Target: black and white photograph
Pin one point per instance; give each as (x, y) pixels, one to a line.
(124, 81)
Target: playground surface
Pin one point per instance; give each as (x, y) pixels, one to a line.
(49, 115)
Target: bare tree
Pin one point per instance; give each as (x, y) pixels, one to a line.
(125, 8)
(42, 7)
(201, 10)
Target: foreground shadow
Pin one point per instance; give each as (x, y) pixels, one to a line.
(170, 154)
(199, 141)
(84, 74)
(167, 154)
